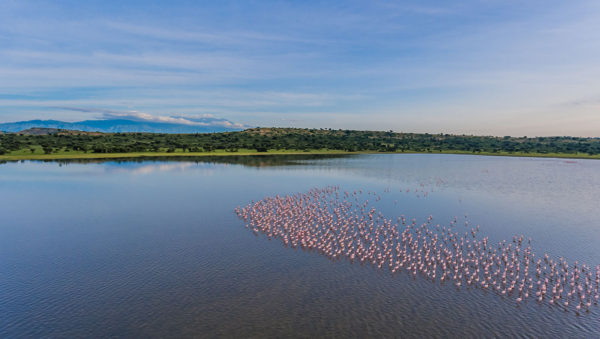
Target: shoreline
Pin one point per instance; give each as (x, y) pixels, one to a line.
(316, 152)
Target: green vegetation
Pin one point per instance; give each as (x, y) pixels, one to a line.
(283, 141)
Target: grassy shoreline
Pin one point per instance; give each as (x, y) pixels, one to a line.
(74, 155)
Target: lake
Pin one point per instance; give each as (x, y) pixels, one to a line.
(153, 247)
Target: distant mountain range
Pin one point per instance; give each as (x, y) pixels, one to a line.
(198, 125)
(50, 131)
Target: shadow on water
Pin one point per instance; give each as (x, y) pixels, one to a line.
(245, 160)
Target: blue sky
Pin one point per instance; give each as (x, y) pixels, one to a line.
(474, 67)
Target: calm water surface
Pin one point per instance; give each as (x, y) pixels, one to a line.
(152, 248)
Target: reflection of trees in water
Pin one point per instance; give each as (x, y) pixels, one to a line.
(245, 160)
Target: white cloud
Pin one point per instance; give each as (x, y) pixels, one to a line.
(141, 116)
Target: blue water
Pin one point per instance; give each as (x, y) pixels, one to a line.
(152, 248)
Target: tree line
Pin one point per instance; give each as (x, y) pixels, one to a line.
(264, 139)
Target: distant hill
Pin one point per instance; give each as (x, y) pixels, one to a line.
(49, 131)
(202, 125)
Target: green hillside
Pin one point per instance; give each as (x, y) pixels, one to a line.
(286, 140)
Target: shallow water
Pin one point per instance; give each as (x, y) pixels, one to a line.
(153, 248)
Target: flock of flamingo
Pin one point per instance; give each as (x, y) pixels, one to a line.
(341, 224)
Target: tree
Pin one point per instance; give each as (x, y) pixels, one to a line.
(47, 149)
